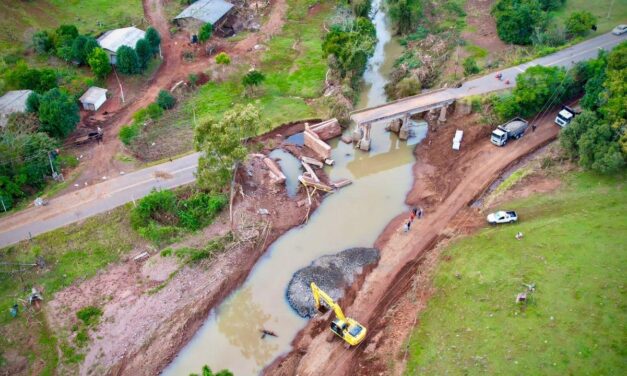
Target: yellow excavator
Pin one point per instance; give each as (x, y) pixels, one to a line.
(344, 327)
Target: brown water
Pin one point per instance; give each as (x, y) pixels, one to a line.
(351, 217)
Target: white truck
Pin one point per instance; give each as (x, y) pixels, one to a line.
(503, 216)
(566, 115)
(513, 129)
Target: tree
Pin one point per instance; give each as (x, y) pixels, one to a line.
(39, 80)
(165, 100)
(362, 8)
(64, 36)
(144, 52)
(599, 149)
(470, 66)
(99, 63)
(32, 103)
(205, 32)
(90, 45)
(253, 79)
(58, 113)
(42, 42)
(222, 143)
(517, 19)
(127, 60)
(154, 111)
(78, 49)
(579, 23)
(405, 14)
(153, 37)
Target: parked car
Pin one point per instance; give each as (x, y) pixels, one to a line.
(620, 29)
(502, 217)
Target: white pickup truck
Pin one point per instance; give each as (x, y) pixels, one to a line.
(502, 217)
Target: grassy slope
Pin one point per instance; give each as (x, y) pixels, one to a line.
(90, 16)
(71, 253)
(601, 9)
(575, 249)
(294, 69)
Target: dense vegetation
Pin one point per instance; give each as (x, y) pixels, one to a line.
(573, 250)
(161, 216)
(598, 137)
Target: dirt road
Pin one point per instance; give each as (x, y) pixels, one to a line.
(443, 195)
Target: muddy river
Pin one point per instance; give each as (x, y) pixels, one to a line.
(351, 217)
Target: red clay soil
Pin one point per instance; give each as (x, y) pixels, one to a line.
(99, 159)
(446, 182)
(484, 34)
(144, 325)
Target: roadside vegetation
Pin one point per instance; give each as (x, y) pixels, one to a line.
(473, 325)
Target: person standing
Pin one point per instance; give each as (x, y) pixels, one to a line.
(420, 212)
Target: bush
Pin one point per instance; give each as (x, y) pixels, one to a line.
(42, 42)
(58, 113)
(67, 161)
(154, 39)
(198, 210)
(158, 206)
(223, 59)
(205, 32)
(128, 133)
(165, 100)
(580, 23)
(89, 315)
(154, 111)
(32, 103)
(470, 66)
(408, 86)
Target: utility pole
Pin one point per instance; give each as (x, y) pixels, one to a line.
(51, 166)
(3, 206)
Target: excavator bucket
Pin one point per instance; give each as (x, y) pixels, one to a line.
(323, 308)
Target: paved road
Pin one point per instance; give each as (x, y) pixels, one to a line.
(112, 193)
(486, 84)
(95, 199)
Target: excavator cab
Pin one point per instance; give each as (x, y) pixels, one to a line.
(344, 327)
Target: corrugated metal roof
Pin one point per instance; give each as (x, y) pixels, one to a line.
(114, 39)
(92, 95)
(12, 101)
(207, 11)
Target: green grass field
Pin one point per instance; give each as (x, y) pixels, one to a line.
(575, 250)
(294, 69)
(19, 19)
(609, 13)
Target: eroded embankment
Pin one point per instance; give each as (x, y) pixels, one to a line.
(445, 183)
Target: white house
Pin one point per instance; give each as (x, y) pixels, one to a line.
(114, 39)
(12, 101)
(93, 98)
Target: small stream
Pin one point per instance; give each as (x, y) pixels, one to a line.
(353, 216)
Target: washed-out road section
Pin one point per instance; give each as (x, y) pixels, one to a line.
(109, 194)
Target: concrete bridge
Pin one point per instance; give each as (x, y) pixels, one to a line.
(441, 98)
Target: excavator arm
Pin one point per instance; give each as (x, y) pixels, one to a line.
(319, 294)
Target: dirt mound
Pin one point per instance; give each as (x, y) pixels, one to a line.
(332, 273)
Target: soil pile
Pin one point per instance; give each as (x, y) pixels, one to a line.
(332, 273)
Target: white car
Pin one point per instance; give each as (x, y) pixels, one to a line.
(620, 29)
(502, 217)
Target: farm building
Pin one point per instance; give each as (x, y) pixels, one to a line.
(111, 40)
(93, 98)
(12, 101)
(201, 12)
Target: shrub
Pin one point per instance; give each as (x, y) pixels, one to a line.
(128, 133)
(579, 23)
(42, 42)
(32, 103)
(223, 59)
(407, 86)
(98, 61)
(67, 161)
(205, 32)
(153, 37)
(154, 111)
(198, 210)
(158, 206)
(165, 100)
(89, 315)
(470, 66)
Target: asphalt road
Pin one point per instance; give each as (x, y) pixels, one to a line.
(486, 84)
(111, 193)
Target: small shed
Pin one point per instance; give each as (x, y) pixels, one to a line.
(201, 12)
(11, 102)
(93, 98)
(111, 40)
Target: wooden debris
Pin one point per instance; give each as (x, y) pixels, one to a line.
(311, 161)
(309, 182)
(141, 257)
(329, 162)
(346, 139)
(310, 171)
(267, 333)
(342, 183)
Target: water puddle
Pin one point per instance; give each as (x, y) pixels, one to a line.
(353, 216)
(291, 167)
(297, 139)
